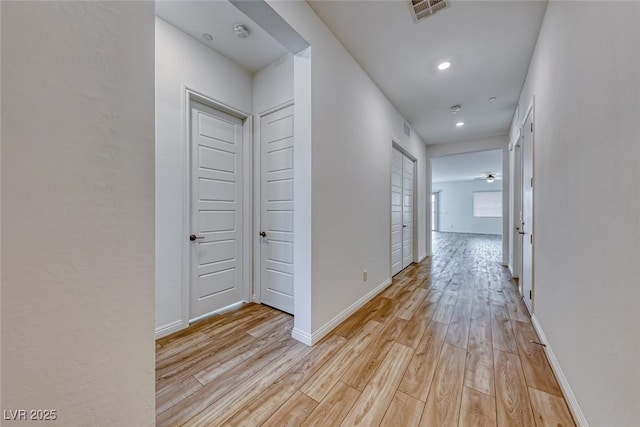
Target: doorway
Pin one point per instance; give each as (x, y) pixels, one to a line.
(434, 211)
(250, 78)
(527, 225)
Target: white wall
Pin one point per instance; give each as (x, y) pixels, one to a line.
(352, 128)
(273, 85)
(78, 211)
(0, 201)
(585, 77)
(455, 207)
(181, 62)
(489, 143)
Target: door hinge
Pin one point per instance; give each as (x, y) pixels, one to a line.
(530, 294)
(531, 238)
(531, 126)
(531, 182)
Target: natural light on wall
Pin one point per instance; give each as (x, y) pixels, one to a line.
(487, 204)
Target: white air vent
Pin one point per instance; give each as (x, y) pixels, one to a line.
(421, 9)
(407, 129)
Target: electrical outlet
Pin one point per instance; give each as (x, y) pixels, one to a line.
(364, 275)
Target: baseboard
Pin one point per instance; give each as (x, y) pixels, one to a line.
(170, 328)
(574, 407)
(341, 317)
(301, 336)
(422, 258)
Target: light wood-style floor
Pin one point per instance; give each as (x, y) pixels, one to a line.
(448, 343)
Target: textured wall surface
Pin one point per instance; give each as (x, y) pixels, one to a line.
(584, 76)
(78, 211)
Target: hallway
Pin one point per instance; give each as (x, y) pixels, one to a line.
(448, 343)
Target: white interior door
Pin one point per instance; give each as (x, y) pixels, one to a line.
(276, 215)
(527, 212)
(216, 210)
(407, 211)
(396, 212)
(401, 211)
(516, 249)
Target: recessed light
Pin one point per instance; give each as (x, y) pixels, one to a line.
(493, 98)
(460, 124)
(444, 65)
(208, 37)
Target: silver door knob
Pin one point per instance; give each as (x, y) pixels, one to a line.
(263, 234)
(193, 237)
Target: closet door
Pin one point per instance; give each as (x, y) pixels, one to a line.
(396, 212)
(402, 193)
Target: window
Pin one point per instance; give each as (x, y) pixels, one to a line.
(487, 204)
(434, 211)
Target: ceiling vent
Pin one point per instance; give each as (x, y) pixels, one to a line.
(421, 9)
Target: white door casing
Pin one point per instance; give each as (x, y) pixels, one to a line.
(276, 209)
(402, 178)
(216, 254)
(527, 212)
(517, 212)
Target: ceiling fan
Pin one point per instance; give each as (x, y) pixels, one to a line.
(489, 177)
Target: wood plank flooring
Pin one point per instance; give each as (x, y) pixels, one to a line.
(448, 343)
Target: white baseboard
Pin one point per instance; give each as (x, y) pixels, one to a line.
(422, 257)
(330, 325)
(170, 328)
(574, 407)
(301, 336)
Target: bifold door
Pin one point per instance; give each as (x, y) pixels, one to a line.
(402, 182)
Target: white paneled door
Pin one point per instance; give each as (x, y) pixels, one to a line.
(276, 216)
(216, 210)
(407, 211)
(527, 212)
(402, 179)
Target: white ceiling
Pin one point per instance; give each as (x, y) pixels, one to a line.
(489, 45)
(466, 167)
(218, 18)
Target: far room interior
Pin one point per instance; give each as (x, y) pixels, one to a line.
(467, 195)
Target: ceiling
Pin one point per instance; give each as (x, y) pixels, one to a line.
(488, 43)
(218, 19)
(466, 167)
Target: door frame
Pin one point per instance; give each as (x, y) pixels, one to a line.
(189, 96)
(257, 199)
(435, 212)
(530, 112)
(516, 207)
(396, 144)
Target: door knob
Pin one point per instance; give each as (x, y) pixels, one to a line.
(194, 237)
(404, 226)
(263, 234)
